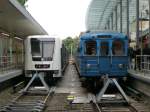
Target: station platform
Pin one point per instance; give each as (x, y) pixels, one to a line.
(10, 74)
(140, 75)
(140, 81)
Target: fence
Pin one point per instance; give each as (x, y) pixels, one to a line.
(11, 53)
(7, 63)
(143, 63)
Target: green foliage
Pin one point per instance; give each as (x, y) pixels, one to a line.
(71, 42)
(22, 2)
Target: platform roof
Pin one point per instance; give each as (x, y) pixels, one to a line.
(100, 11)
(15, 19)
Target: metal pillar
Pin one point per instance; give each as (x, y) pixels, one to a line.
(137, 22)
(23, 54)
(120, 16)
(128, 19)
(108, 24)
(116, 22)
(10, 51)
(112, 21)
(149, 22)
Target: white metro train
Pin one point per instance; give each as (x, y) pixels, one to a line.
(44, 55)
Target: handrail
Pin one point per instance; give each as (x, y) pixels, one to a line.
(7, 63)
(143, 63)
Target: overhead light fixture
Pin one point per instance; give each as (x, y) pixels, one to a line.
(5, 34)
(18, 38)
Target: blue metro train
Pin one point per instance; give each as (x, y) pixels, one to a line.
(101, 54)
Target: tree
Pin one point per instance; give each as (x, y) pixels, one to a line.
(22, 2)
(68, 43)
(71, 42)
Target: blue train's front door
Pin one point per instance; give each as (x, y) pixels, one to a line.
(104, 57)
(90, 66)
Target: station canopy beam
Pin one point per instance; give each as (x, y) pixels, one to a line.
(15, 19)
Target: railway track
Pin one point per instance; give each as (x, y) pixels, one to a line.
(32, 101)
(134, 106)
(115, 106)
(59, 103)
(37, 101)
(120, 108)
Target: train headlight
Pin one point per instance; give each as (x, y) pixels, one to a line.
(88, 65)
(120, 66)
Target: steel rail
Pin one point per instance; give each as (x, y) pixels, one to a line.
(34, 104)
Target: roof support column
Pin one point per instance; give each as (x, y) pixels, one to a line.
(10, 49)
(112, 21)
(149, 21)
(121, 16)
(116, 19)
(128, 18)
(137, 22)
(108, 24)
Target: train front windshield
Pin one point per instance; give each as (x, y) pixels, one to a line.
(42, 49)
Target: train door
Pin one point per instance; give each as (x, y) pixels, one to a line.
(119, 57)
(104, 57)
(90, 58)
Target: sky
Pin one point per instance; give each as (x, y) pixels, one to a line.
(61, 18)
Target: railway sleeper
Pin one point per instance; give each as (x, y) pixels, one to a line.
(27, 103)
(103, 102)
(30, 109)
(26, 107)
(21, 107)
(25, 110)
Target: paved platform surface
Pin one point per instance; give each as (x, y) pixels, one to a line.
(140, 81)
(10, 74)
(143, 76)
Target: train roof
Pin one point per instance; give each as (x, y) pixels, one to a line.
(112, 35)
(44, 36)
(40, 36)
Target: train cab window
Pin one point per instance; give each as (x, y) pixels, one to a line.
(35, 47)
(90, 47)
(104, 48)
(48, 50)
(42, 49)
(118, 48)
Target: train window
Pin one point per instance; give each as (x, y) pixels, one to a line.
(42, 49)
(90, 47)
(35, 47)
(104, 48)
(118, 48)
(48, 49)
